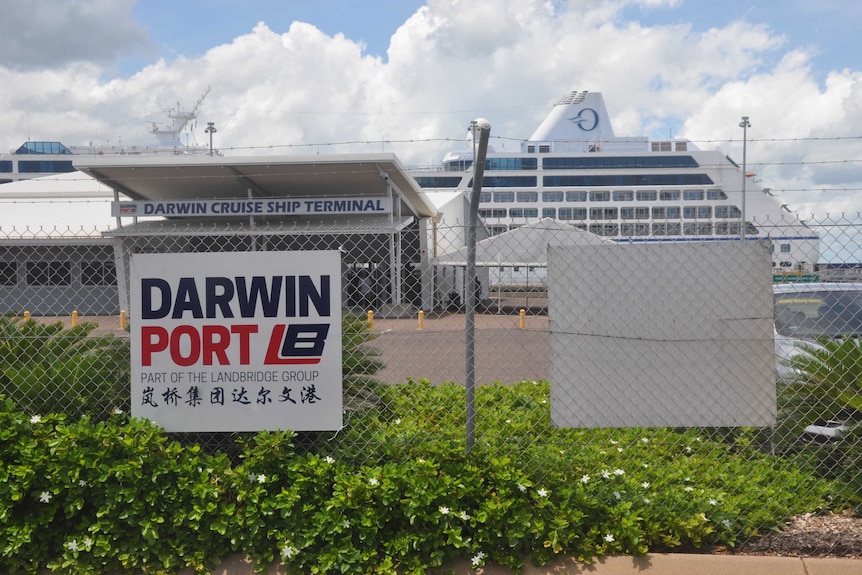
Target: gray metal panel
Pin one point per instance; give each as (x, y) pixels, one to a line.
(662, 335)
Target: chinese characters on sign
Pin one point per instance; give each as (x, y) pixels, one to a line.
(247, 350)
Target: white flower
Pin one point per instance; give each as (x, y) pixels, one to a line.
(544, 401)
(45, 497)
(585, 478)
(82, 483)
(713, 502)
(252, 476)
(329, 459)
(373, 481)
(614, 441)
(36, 419)
(118, 411)
(477, 558)
(609, 538)
(689, 488)
(542, 493)
(726, 523)
(397, 421)
(88, 543)
(522, 488)
(288, 551)
(620, 449)
(261, 478)
(645, 439)
(617, 495)
(619, 472)
(444, 510)
(464, 516)
(646, 500)
(346, 523)
(606, 474)
(645, 484)
(688, 449)
(72, 546)
(508, 421)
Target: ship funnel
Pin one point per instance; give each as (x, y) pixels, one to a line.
(577, 116)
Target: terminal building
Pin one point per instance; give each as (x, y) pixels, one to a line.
(66, 240)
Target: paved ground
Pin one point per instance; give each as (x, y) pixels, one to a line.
(503, 350)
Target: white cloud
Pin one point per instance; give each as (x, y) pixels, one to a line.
(452, 61)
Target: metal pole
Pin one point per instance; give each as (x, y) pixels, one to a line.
(483, 127)
(744, 124)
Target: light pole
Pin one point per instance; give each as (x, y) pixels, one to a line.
(744, 124)
(211, 130)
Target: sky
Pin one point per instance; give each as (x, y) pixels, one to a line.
(407, 76)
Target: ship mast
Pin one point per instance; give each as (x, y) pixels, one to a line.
(169, 136)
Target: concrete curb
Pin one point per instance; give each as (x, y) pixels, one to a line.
(654, 564)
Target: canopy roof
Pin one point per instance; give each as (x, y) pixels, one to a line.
(217, 177)
(523, 246)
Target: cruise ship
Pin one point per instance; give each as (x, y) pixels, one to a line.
(35, 159)
(626, 189)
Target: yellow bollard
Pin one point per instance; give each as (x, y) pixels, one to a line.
(421, 319)
(522, 321)
(26, 315)
(74, 318)
(123, 320)
(370, 319)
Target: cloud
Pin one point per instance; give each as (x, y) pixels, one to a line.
(47, 34)
(300, 90)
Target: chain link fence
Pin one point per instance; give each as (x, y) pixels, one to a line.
(73, 357)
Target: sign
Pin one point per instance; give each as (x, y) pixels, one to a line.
(792, 277)
(237, 341)
(253, 207)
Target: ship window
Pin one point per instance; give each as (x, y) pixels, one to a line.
(623, 196)
(727, 228)
(484, 197)
(660, 146)
(8, 273)
(493, 213)
(527, 197)
(727, 212)
(45, 167)
(531, 149)
(625, 180)
(715, 195)
(98, 274)
(5, 167)
(697, 228)
(576, 196)
(511, 164)
(603, 213)
(636, 229)
(668, 196)
(785, 248)
(509, 181)
(666, 229)
(573, 213)
(438, 181)
(504, 196)
(600, 196)
(549, 212)
(497, 230)
(552, 196)
(544, 149)
(627, 213)
(681, 146)
(604, 229)
(692, 195)
(524, 212)
(697, 212)
(642, 213)
(646, 196)
(614, 162)
(49, 273)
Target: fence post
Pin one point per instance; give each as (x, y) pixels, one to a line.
(370, 319)
(74, 318)
(522, 321)
(123, 319)
(421, 319)
(26, 315)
